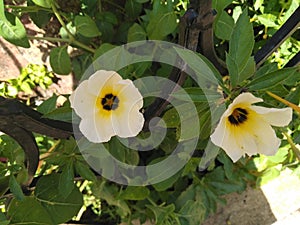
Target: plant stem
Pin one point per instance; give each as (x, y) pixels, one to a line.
(27, 9)
(293, 146)
(293, 106)
(51, 39)
(61, 21)
(72, 39)
(151, 201)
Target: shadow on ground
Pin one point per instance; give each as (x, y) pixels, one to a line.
(248, 208)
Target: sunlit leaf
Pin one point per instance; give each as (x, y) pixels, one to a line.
(12, 30)
(135, 193)
(60, 60)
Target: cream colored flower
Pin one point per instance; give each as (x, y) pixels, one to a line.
(108, 106)
(246, 129)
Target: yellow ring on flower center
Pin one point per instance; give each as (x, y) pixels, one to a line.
(110, 102)
(238, 116)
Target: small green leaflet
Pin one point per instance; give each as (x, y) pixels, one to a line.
(60, 60)
(86, 26)
(12, 29)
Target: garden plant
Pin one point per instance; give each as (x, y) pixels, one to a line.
(175, 104)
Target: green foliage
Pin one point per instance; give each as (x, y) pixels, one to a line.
(30, 77)
(12, 29)
(68, 187)
(60, 60)
(239, 63)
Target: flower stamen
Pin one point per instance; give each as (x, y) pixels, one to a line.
(238, 116)
(110, 102)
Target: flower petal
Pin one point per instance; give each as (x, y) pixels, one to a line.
(100, 123)
(102, 81)
(246, 98)
(128, 93)
(275, 117)
(247, 142)
(223, 138)
(127, 120)
(128, 124)
(97, 129)
(266, 139)
(82, 102)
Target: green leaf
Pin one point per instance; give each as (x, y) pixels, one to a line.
(224, 26)
(218, 182)
(195, 94)
(66, 180)
(132, 157)
(104, 191)
(12, 30)
(269, 80)
(162, 22)
(117, 149)
(164, 185)
(43, 3)
(162, 213)
(60, 208)
(48, 106)
(239, 63)
(219, 5)
(193, 212)
(267, 176)
(258, 4)
(141, 1)
(114, 60)
(105, 47)
(185, 195)
(86, 26)
(84, 171)
(268, 20)
(60, 60)
(63, 113)
(41, 17)
(136, 33)
(133, 9)
(2, 10)
(267, 68)
(205, 71)
(3, 219)
(135, 193)
(209, 155)
(80, 64)
(248, 70)
(4, 185)
(29, 211)
(26, 88)
(15, 188)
